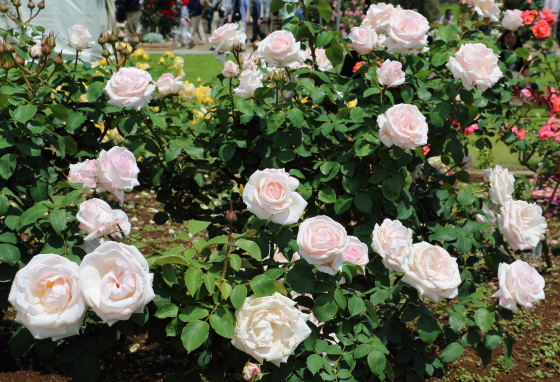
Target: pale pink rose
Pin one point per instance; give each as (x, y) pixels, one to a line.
(252, 60)
(84, 172)
(47, 297)
(189, 92)
(279, 257)
(36, 50)
(432, 271)
(475, 65)
(231, 69)
(377, 16)
(520, 284)
(520, 133)
(249, 81)
(250, 371)
(501, 185)
(281, 49)
(322, 242)
(78, 38)
(322, 61)
(390, 74)
(271, 194)
(357, 252)
(521, 224)
(403, 126)
(98, 219)
(169, 85)
(486, 8)
(130, 87)
(407, 32)
(117, 171)
(436, 163)
(512, 20)
(226, 39)
(115, 281)
(392, 241)
(527, 95)
(471, 129)
(364, 39)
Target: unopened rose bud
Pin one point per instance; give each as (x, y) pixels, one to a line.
(46, 50)
(105, 53)
(113, 38)
(250, 371)
(58, 59)
(52, 41)
(120, 47)
(231, 216)
(126, 50)
(8, 48)
(4, 8)
(18, 59)
(16, 3)
(36, 50)
(135, 40)
(102, 40)
(41, 5)
(7, 64)
(31, 5)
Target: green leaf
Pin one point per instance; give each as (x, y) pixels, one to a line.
(94, 91)
(4, 204)
(301, 278)
(222, 324)
(466, 197)
(234, 261)
(21, 341)
(343, 204)
(327, 195)
(391, 188)
(169, 275)
(196, 226)
(60, 112)
(238, 296)
(296, 117)
(456, 321)
(275, 120)
(325, 11)
(193, 280)
(225, 290)
(226, 152)
(86, 368)
(314, 363)
(251, 247)
(356, 306)
(446, 233)
(452, 352)
(324, 38)
(75, 120)
(58, 220)
(167, 310)
(484, 319)
(376, 361)
(379, 296)
(194, 335)
(276, 5)
(364, 203)
(192, 313)
(262, 286)
(445, 33)
(428, 328)
(171, 259)
(209, 283)
(508, 350)
(25, 112)
(335, 53)
(492, 340)
(362, 350)
(32, 214)
(325, 307)
(522, 52)
(8, 164)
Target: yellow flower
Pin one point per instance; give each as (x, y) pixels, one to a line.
(304, 100)
(143, 66)
(198, 79)
(187, 82)
(201, 93)
(208, 99)
(169, 54)
(103, 61)
(100, 126)
(189, 92)
(161, 59)
(352, 103)
(156, 108)
(83, 98)
(139, 53)
(139, 159)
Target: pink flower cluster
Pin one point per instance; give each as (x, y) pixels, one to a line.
(541, 24)
(551, 129)
(543, 194)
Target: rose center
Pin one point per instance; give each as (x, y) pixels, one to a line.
(54, 292)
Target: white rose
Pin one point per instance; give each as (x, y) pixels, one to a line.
(226, 39)
(377, 16)
(281, 49)
(403, 126)
(520, 284)
(231, 69)
(36, 50)
(486, 8)
(407, 32)
(84, 172)
(501, 185)
(521, 224)
(438, 165)
(78, 38)
(475, 65)
(356, 253)
(117, 171)
(390, 74)
(392, 241)
(432, 271)
(321, 56)
(512, 20)
(188, 93)
(364, 39)
(98, 219)
(322, 242)
(271, 194)
(130, 87)
(47, 297)
(116, 281)
(169, 85)
(483, 219)
(269, 328)
(249, 81)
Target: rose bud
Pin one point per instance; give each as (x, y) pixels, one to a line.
(31, 5)
(41, 5)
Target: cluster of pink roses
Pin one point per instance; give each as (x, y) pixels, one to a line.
(51, 293)
(551, 129)
(98, 219)
(542, 22)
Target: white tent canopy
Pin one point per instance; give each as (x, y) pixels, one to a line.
(60, 15)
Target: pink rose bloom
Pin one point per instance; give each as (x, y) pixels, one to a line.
(84, 172)
(541, 29)
(322, 242)
(281, 49)
(520, 284)
(231, 69)
(527, 95)
(117, 171)
(36, 50)
(78, 38)
(475, 65)
(512, 20)
(407, 32)
(225, 39)
(130, 87)
(321, 56)
(548, 16)
(377, 16)
(486, 8)
(392, 241)
(471, 129)
(520, 133)
(390, 74)
(545, 132)
(249, 81)
(426, 149)
(271, 194)
(251, 60)
(403, 126)
(98, 219)
(250, 371)
(521, 224)
(169, 85)
(357, 252)
(364, 39)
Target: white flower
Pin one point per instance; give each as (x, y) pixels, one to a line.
(321, 56)
(438, 165)
(403, 126)
(130, 87)
(117, 171)
(84, 172)
(169, 85)
(521, 224)
(364, 39)
(47, 297)
(486, 8)
(483, 219)
(390, 74)
(98, 219)
(78, 38)
(520, 284)
(407, 32)
(392, 241)
(377, 16)
(269, 328)
(249, 81)
(226, 39)
(501, 185)
(231, 69)
(475, 65)
(512, 20)
(356, 253)
(281, 49)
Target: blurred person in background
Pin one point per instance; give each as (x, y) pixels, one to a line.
(220, 8)
(196, 28)
(257, 16)
(267, 20)
(133, 10)
(240, 13)
(554, 6)
(448, 16)
(186, 37)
